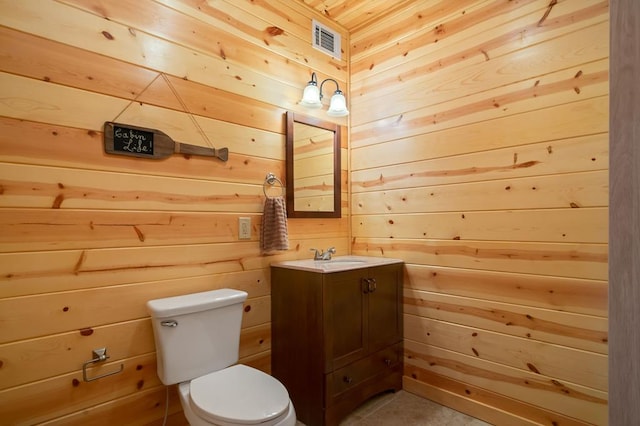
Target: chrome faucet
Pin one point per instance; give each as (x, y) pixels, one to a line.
(323, 255)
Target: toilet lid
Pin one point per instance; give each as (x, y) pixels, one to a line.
(238, 394)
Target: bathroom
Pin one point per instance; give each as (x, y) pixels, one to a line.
(476, 150)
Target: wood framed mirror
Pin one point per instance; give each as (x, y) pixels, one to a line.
(313, 167)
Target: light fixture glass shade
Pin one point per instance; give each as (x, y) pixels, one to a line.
(338, 105)
(311, 96)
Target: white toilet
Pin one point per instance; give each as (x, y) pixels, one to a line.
(197, 341)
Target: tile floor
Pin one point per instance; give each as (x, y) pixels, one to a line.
(406, 409)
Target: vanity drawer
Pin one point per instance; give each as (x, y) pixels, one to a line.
(356, 373)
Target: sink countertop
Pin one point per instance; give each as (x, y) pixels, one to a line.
(337, 263)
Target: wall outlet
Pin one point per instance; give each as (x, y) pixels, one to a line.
(244, 228)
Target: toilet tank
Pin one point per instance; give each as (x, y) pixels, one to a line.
(196, 333)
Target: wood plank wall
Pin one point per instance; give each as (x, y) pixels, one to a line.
(479, 155)
(87, 238)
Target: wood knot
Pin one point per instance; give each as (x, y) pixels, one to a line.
(275, 31)
(57, 202)
(139, 233)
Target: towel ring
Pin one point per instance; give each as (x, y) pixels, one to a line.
(271, 179)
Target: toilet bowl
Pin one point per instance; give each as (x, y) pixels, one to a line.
(238, 395)
(197, 345)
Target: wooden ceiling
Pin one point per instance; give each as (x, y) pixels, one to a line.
(356, 14)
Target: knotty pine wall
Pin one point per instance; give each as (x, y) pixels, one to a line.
(87, 238)
(479, 155)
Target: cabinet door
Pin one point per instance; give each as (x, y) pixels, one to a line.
(345, 308)
(385, 317)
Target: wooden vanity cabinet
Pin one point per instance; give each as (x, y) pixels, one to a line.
(336, 338)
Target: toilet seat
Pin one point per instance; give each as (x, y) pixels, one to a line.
(239, 395)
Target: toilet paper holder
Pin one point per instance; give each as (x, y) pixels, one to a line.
(99, 355)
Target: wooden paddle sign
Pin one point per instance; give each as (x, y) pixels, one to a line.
(125, 139)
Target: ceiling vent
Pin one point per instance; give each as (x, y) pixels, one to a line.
(326, 39)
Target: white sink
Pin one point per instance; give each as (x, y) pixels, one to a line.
(339, 263)
(343, 261)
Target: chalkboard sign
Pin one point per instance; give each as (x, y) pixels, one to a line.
(137, 141)
(142, 142)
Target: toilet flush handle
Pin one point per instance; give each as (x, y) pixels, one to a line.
(169, 323)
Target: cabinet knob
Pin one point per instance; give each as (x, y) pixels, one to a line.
(387, 362)
(369, 285)
(347, 379)
(365, 285)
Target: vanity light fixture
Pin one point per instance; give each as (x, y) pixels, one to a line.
(312, 98)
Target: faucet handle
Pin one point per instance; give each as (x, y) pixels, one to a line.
(327, 254)
(318, 254)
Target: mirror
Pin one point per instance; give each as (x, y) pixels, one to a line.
(313, 167)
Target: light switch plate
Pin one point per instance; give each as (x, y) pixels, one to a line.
(244, 228)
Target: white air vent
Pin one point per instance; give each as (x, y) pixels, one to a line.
(326, 39)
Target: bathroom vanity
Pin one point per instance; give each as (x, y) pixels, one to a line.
(336, 333)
